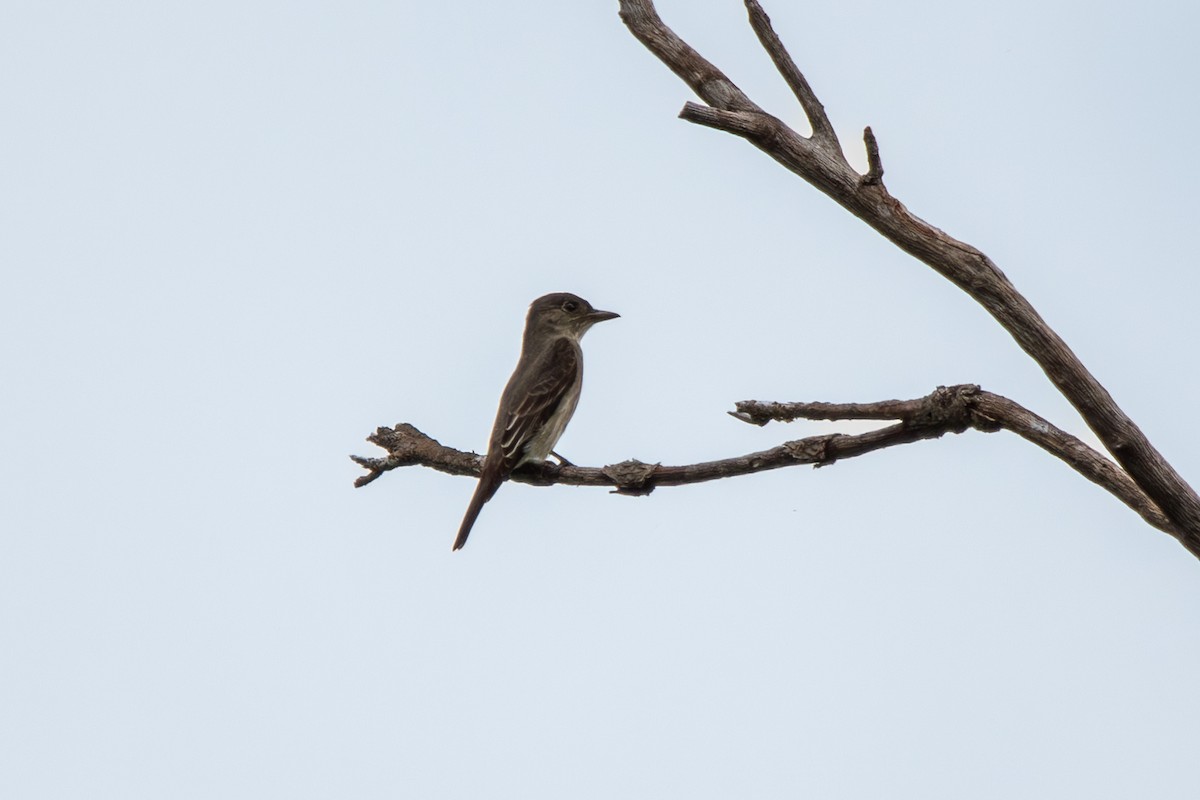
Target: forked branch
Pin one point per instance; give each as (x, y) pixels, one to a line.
(823, 131)
(819, 160)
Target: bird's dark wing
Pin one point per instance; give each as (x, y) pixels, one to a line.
(525, 416)
(522, 415)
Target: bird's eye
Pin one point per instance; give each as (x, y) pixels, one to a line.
(570, 306)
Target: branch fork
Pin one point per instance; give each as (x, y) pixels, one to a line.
(818, 159)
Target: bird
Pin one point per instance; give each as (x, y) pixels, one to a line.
(540, 396)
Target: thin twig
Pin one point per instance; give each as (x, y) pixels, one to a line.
(749, 124)
(692, 68)
(874, 174)
(822, 128)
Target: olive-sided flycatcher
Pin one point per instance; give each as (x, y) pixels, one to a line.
(540, 397)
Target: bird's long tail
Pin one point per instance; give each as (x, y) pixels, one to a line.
(489, 482)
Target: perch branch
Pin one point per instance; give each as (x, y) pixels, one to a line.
(953, 409)
(407, 447)
(820, 162)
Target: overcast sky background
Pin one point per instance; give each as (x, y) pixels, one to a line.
(238, 236)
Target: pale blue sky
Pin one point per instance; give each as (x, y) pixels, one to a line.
(236, 237)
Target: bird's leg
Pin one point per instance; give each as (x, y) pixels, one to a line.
(540, 473)
(562, 462)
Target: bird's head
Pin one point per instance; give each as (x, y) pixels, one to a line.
(564, 314)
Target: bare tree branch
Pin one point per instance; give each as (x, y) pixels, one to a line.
(408, 446)
(823, 131)
(985, 408)
(952, 409)
(821, 163)
(706, 80)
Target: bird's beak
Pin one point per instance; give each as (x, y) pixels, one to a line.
(600, 316)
